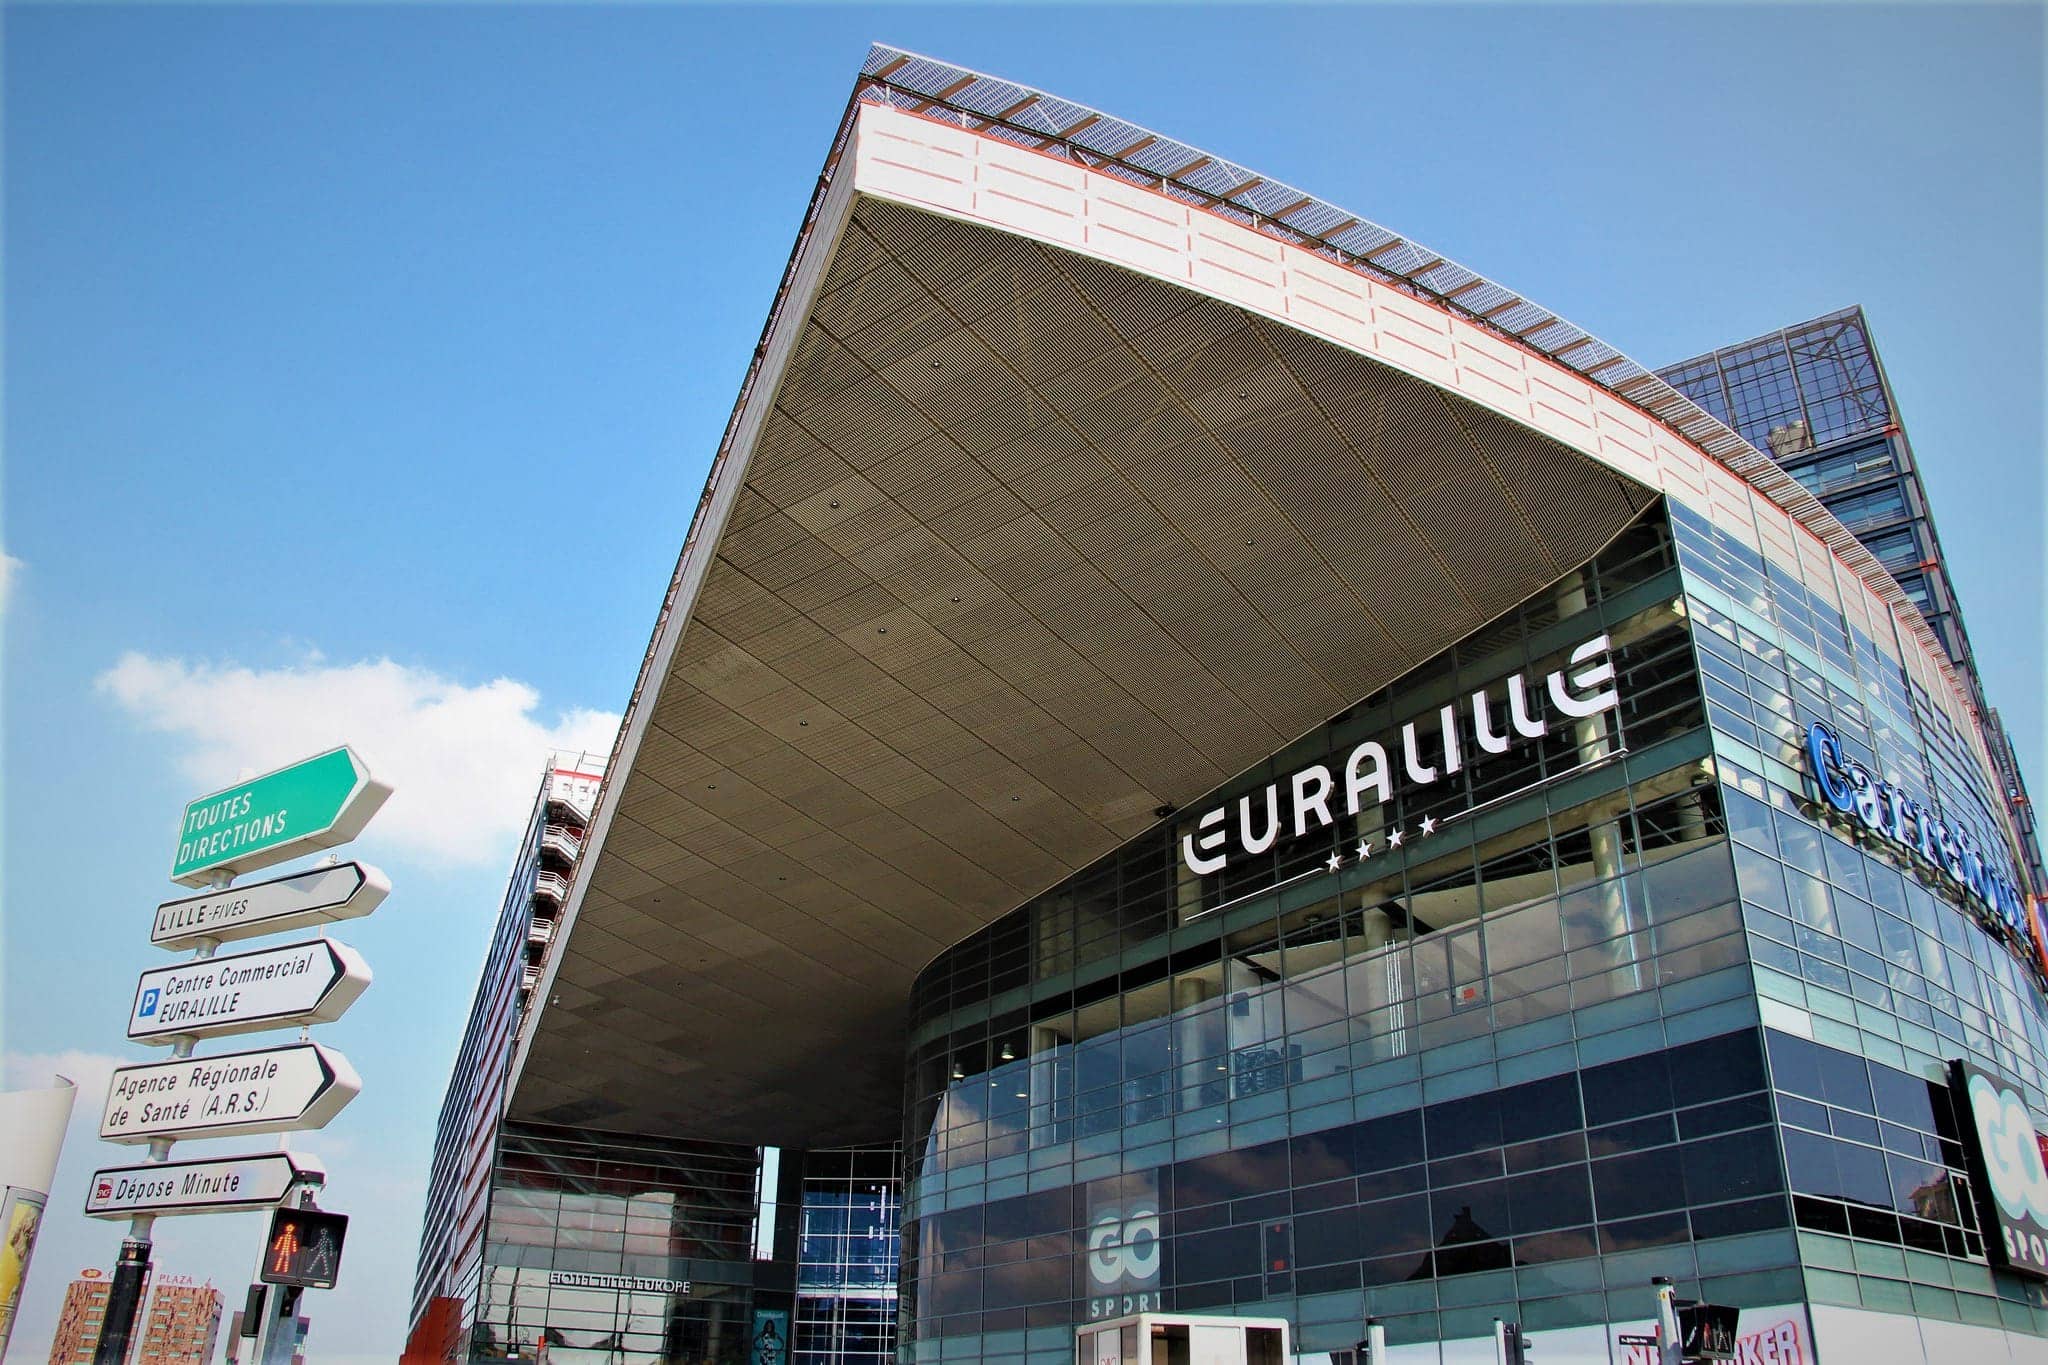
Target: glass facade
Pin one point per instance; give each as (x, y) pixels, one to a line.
(1814, 396)
(846, 1268)
(1608, 1000)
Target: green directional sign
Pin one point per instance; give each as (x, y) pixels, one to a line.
(315, 803)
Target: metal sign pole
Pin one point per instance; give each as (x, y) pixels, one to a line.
(124, 1296)
(1670, 1351)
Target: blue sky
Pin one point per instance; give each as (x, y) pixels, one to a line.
(363, 364)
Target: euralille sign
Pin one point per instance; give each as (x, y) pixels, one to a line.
(1909, 825)
(315, 803)
(1582, 689)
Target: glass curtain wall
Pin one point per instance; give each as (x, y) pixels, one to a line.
(617, 1248)
(1475, 1051)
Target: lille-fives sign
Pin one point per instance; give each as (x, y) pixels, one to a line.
(315, 803)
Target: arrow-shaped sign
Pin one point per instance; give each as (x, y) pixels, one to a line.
(302, 983)
(270, 1090)
(343, 891)
(224, 1185)
(317, 802)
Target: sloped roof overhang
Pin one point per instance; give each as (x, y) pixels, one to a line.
(1050, 502)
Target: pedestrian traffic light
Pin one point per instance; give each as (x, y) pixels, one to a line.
(304, 1248)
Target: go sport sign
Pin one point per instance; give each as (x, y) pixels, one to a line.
(2005, 1152)
(1583, 688)
(1847, 788)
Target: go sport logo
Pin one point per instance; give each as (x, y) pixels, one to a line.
(2012, 1178)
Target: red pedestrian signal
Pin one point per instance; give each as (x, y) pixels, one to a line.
(304, 1248)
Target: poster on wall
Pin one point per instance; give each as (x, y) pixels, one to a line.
(1123, 1253)
(2003, 1144)
(771, 1337)
(21, 1214)
(1763, 1336)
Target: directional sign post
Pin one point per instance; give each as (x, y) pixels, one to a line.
(228, 1185)
(318, 896)
(303, 807)
(301, 983)
(315, 803)
(271, 1090)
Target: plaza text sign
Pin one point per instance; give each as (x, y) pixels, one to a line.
(1316, 795)
(318, 896)
(1848, 788)
(301, 983)
(226, 1185)
(271, 1090)
(315, 803)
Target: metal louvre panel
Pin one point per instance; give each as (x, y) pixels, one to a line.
(990, 603)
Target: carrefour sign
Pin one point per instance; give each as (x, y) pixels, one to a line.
(1910, 826)
(2012, 1180)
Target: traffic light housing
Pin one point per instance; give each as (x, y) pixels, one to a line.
(304, 1248)
(1706, 1331)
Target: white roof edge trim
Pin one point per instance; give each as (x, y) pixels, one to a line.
(946, 86)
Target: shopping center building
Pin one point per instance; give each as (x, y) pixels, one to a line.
(1200, 756)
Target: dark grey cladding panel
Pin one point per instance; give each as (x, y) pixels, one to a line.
(1027, 546)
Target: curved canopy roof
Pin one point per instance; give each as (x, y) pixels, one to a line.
(1019, 536)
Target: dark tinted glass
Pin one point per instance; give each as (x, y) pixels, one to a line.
(1398, 1225)
(1627, 1089)
(1395, 1140)
(1539, 1109)
(1216, 1255)
(1549, 1199)
(1230, 1175)
(1634, 1234)
(1323, 1238)
(1730, 1220)
(1732, 1064)
(1795, 1065)
(1633, 1136)
(1846, 1078)
(1737, 1166)
(1458, 1126)
(1643, 1183)
(1902, 1098)
(1745, 1112)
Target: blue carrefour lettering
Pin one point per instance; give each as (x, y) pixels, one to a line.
(1824, 757)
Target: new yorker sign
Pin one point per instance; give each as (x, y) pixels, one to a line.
(1315, 795)
(315, 803)
(1909, 825)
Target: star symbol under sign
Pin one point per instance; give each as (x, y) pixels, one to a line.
(1394, 839)
(1429, 824)
(1336, 861)
(1364, 849)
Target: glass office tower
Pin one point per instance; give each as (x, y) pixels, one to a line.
(1814, 397)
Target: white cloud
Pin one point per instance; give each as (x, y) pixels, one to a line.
(464, 760)
(10, 574)
(40, 1070)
